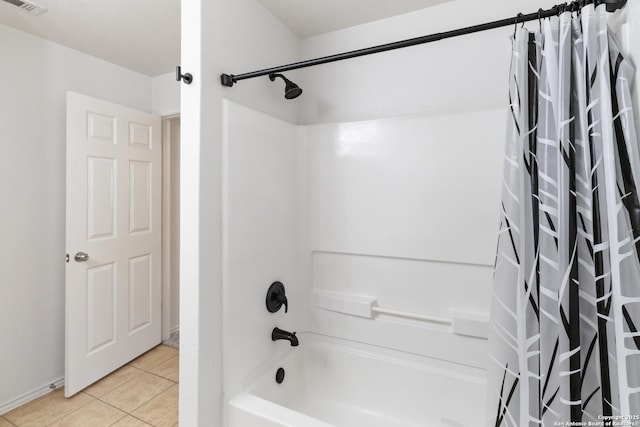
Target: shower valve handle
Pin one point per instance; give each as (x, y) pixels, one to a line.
(276, 298)
(282, 299)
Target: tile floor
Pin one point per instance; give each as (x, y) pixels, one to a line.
(141, 394)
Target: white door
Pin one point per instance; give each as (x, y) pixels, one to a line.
(113, 238)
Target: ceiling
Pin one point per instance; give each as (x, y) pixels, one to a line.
(144, 35)
(312, 17)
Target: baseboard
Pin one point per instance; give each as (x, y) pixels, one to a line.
(174, 330)
(29, 396)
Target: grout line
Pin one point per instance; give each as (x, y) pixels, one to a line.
(131, 413)
(151, 372)
(131, 366)
(51, 421)
(150, 400)
(114, 407)
(140, 419)
(142, 371)
(119, 419)
(72, 412)
(144, 403)
(154, 366)
(165, 378)
(158, 375)
(4, 419)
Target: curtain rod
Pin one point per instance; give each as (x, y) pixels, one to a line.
(612, 6)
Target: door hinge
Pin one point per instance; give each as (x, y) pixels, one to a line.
(67, 257)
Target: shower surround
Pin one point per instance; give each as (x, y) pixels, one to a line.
(349, 216)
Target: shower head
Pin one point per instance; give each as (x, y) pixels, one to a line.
(291, 90)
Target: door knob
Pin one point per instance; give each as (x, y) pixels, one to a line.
(81, 257)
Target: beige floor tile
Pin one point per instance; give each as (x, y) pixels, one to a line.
(154, 357)
(168, 369)
(113, 380)
(47, 409)
(161, 411)
(95, 414)
(136, 392)
(130, 421)
(5, 423)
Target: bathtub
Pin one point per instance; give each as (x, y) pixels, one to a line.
(336, 383)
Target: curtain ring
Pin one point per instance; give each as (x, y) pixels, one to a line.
(563, 8)
(540, 18)
(515, 22)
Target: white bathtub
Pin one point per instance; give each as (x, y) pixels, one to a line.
(336, 383)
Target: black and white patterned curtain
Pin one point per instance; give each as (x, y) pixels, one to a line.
(564, 346)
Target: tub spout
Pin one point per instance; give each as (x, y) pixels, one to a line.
(279, 334)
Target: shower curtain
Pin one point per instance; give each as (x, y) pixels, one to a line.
(564, 346)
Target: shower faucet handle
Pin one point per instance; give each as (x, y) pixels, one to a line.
(276, 298)
(282, 299)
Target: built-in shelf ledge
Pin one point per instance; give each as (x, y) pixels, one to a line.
(461, 322)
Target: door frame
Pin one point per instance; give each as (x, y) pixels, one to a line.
(167, 222)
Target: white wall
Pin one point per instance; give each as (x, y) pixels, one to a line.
(217, 37)
(165, 94)
(34, 79)
(262, 219)
(467, 73)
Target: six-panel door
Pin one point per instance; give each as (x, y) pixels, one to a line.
(113, 298)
